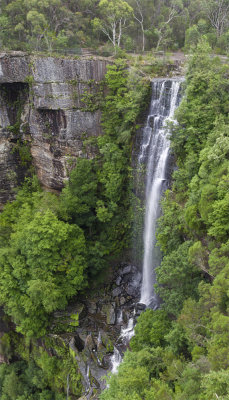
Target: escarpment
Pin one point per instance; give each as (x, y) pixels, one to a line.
(49, 108)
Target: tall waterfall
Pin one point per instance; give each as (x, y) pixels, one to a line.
(154, 155)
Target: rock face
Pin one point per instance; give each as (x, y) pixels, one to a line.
(48, 107)
(104, 321)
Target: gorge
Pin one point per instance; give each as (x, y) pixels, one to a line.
(49, 108)
(85, 157)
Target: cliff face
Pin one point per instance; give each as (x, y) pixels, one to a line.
(48, 108)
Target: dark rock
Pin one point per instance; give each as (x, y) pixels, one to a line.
(109, 311)
(151, 120)
(140, 306)
(126, 317)
(116, 292)
(89, 342)
(78, 342)
(126, 279)
(131, 290)
(126, 270)
(123, 300)
(92, 307)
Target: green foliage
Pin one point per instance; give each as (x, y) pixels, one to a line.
(52, 246)
(131, 381)
(78, 198)
(150, 330)
(134, 25)
(42, 261)
(177, 278)
(42, 375)
(21, 381)
(184, 346)
(97, 196)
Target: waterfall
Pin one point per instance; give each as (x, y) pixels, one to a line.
(116, 360)
(68, 387)
(152, 163)
(154, 155)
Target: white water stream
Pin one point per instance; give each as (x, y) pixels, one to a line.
(154, 154)
(116, 360)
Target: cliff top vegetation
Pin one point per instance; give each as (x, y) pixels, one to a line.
(108, 26)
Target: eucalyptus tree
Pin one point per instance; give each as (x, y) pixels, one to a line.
(139, 17)
(174, 10)
(217, 12)
(114, 15)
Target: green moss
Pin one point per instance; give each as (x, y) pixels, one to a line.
(22, 148)
(30, 80)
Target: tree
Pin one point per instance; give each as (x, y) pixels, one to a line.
(114, 15)
(217, 12)
(163, 31)
(139, 17)
(41, 269)
(177, 278)
(150, 330)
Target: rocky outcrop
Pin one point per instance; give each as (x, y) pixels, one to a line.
(48, 107)
(104, 322)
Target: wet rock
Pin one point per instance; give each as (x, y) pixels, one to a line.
(126, 270)
(127, 278)
(89, 342)
(116, 292)
(92, 307)
(78, 343)
(131, 290)
(118, 280)
(126, 317)
(109, 311)
(123, 301)
(140, 307)
(119, 320)
(106, 361)
(78, 308)
(151, 120)
(107, 343)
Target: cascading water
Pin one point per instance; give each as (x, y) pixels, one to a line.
(116, 360)
(154, 155)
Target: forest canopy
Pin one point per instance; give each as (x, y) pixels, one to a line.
(107, 25)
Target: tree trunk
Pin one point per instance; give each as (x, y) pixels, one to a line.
(143, 38)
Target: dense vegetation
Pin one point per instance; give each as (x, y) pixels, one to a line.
(135, 25)
(53, 247)
(182, 350)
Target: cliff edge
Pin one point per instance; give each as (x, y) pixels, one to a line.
(48, 107)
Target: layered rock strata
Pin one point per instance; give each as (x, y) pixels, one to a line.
(48, 108)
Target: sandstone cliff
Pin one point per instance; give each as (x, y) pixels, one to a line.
(48, 107)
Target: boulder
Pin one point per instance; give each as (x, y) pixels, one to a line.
(126, 270)
(118, 280)
(109, 311)
(116, 292)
